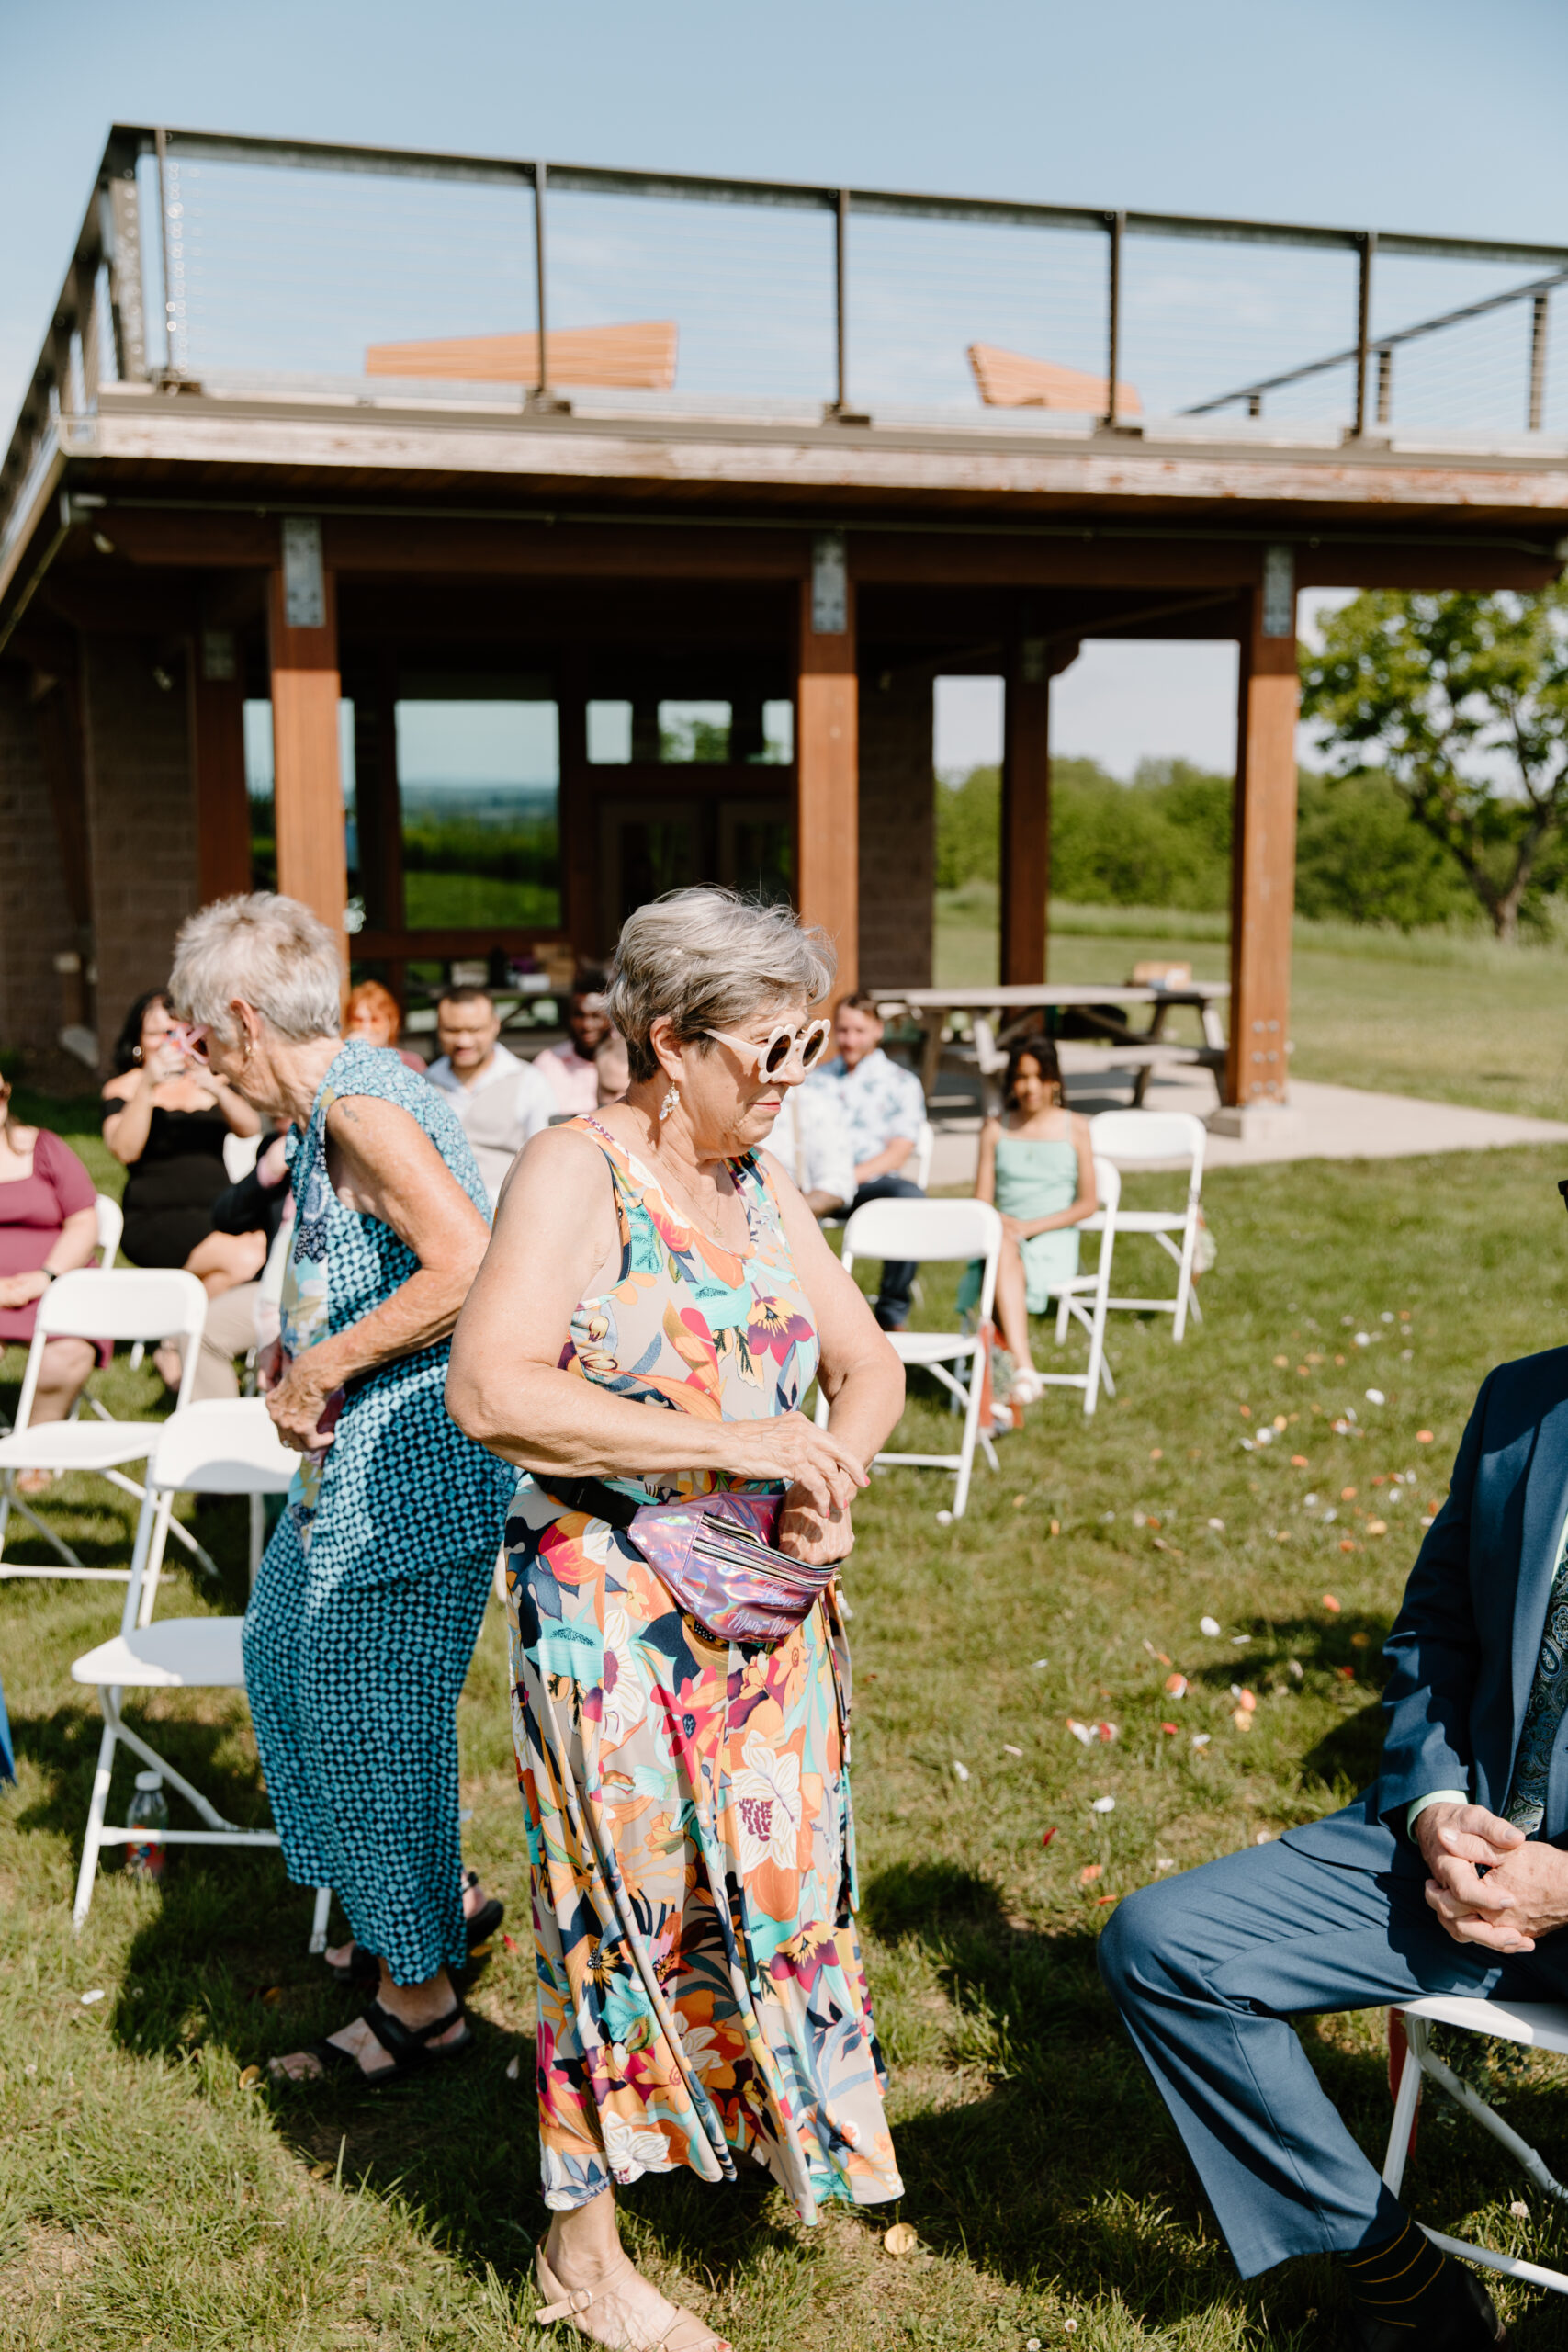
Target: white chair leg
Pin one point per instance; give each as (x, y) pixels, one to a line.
(1184, 1279)
(971, 1434)
(11, 1501)
(156, 1763)
(1490, 2120)
(1405, 2108)
(319, 1920)
(93, 1838)
(1097, 1369)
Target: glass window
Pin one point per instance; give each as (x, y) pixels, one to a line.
(260, 792)
(692, 733)
(609, 734)
(479, 785)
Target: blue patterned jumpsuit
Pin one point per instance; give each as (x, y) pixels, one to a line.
(370, 1596)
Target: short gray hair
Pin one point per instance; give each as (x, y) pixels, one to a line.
(706, 959)
(268, 951)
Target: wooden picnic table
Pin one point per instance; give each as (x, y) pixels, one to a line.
(999, 1013)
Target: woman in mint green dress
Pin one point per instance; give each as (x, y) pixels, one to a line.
(1037, 1169)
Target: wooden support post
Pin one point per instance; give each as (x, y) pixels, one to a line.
(312, 863)
(218, 763)
(1026, 815)
(1263, 855)
(827, 760)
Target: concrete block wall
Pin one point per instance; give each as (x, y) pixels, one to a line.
(35, 919)
(140, 820)
(897, 832)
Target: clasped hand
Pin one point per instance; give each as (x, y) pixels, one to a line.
(823, 1479)
(294, 1400)
(1523, 1895)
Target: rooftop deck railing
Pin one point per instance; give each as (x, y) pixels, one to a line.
(284, 269)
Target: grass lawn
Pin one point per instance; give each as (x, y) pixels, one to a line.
(1450, 1016)
(150, 2199)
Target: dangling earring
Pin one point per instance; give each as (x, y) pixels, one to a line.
(670, 1102)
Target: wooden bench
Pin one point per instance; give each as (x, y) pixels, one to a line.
(636, 358)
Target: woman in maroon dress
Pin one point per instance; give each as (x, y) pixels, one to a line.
(49, 1226)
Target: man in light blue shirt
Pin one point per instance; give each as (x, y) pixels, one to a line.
(883, 1110)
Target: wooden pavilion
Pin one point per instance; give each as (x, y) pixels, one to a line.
(178, 542)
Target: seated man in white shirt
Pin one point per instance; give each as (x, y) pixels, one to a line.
(884, 1109)
(568, 1068)
(810, 1138)
(500, 1099)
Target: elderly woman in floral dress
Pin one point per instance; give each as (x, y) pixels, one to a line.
(654, 1304)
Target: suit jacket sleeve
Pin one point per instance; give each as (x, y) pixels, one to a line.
(1435, 1651)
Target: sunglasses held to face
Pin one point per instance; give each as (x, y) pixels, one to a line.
(189, 1038)
(782, 1047)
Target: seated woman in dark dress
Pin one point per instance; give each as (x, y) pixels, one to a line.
(49, 1226)
(166, 1122)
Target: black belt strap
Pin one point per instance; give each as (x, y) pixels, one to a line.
(592, 1496)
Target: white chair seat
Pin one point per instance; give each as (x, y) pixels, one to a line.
(78, 1446)
(201, 1652)
(1540, 2025)
(931, 1346)
(1150, 1220)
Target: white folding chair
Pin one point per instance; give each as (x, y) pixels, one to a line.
(95, 1304)
(935, 1230)
(1540, 2026)
(111, 1225)
(1084, 1298)
(917, 1167)
(225, 1446)
(1135, 1138)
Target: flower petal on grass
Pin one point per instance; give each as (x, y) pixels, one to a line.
(1103, 1804)
(1331, 1604)
(1208, 1625)
(1089, 1872)
(960, 1771)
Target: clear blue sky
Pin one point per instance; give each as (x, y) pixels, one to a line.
(1439, 115)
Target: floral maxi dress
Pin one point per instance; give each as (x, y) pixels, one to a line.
(701, 1989)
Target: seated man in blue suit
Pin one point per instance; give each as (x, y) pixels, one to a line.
(1449, 1875)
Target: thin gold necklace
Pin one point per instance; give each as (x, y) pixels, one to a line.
(667, 1180)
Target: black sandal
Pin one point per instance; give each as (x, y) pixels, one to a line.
(407, 2046)
(363, 1968)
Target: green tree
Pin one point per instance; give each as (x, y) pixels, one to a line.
(1460, 701)
(969, 829)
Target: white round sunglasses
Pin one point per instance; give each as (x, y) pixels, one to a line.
(783, 1046)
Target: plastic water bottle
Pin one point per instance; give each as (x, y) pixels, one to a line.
(145, 1857)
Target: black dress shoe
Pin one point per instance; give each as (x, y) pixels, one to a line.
(1472, 2327)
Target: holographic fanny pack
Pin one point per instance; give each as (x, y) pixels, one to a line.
(714, 1552)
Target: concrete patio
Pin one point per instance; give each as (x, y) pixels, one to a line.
(1322, 1122)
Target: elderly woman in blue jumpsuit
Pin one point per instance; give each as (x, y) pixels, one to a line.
(370, 1599)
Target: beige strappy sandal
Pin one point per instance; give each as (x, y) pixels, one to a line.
(685, 2333)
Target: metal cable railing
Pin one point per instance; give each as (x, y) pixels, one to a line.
(299, 267)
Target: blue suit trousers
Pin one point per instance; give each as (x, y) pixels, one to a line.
(1207, 1970)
